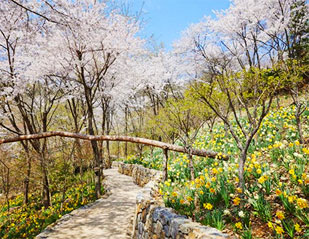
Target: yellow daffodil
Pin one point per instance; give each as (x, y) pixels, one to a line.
(190, 199)
(238, 225)
(279, 230)
(280, 215)
(236, 201)
(278, 192)
(302, 203)
(207, 206)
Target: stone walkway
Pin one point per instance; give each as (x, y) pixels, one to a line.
(106, 218)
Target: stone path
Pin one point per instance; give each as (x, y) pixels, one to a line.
(107, 218)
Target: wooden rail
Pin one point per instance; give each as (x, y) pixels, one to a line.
(149, 142)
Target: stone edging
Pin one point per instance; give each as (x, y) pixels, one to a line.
(152, 220)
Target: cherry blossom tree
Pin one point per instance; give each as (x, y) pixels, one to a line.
(27, 102)
(87, 53)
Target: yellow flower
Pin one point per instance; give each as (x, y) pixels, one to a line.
(262, 179)
(305, 150)
(207, 185)
(297, 142)
(236, 201)
(297, 227)
(182, 201)
(214, 171)
(212, 190)
(259, 171)
(207, 206)
(302, 203)
(190, 199)
(279, 230)
(201, 192)
(291, 144)
(174, 194)
(280, 215)
(238, 225)
(270, 225)
(239, 190)
(278, 192)
(291, 171)
(291, 198)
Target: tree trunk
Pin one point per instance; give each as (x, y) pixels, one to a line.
(108, 159)
(191, 166)
(140, 150)
(108, 129)
(278, 101)
(6, 184)
(298, 123)
(97, 168)
(78, 158)
(7, 190)
(28, 173)
(97, 158)
(45, 190)
(27, 180)
(241, 169)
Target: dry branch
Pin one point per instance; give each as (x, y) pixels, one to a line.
(149, 142)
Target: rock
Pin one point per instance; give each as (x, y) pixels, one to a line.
(152, 219)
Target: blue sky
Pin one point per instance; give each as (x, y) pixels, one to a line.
(166, 19)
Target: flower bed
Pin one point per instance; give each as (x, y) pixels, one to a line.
(26, 221)
(275, 201)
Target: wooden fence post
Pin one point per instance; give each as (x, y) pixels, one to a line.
(165, 163)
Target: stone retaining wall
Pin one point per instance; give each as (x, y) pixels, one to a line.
(152, 219)
(141, 175)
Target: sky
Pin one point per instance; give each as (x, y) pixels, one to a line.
(166, 19)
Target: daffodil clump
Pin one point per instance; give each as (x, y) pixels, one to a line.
(149, 161)
(27, 221)
(275, 201)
